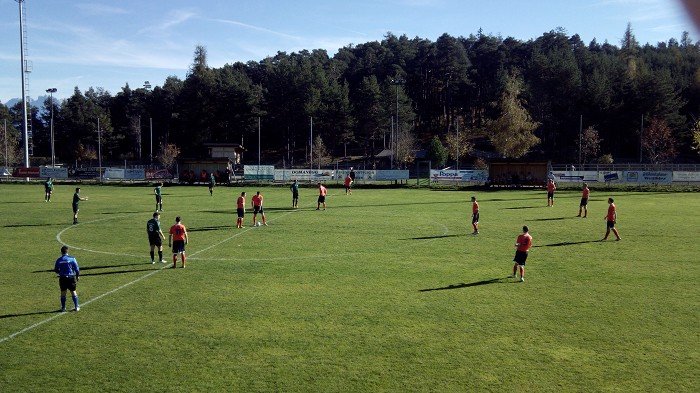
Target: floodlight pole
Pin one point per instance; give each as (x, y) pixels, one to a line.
(258, 149)
(580, 140)
(641, 139)
(5, 121)
(53, 154)
(24, 85)
(311, 144)
(396, 82)
(150, 122)
(99, 148)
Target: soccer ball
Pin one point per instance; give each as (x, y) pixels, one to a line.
(257, 224)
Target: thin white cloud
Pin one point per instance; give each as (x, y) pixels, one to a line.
(100, 9)
(257, 28)
(174, 18)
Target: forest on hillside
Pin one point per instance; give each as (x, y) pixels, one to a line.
(460, 98)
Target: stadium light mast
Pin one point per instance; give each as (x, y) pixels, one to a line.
(641, 139)
(99, 148)
(53, 154)
(25, 128)
(396, 82)
(5, 121)
(259, 149)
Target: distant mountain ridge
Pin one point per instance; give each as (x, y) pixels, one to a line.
(37, 103)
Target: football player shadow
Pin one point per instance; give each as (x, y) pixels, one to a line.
(117, 272)
(28, 314)
(29, 225)
(567, 243)
(83, 268)
(553, 218)
(432, 237)
(468, 285)
(212, 228)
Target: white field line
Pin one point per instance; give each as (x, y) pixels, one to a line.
(58, 238)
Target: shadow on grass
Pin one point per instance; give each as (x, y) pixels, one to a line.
(30, 225)
(214, 228)
(567, 243)
(523, 207)
(116, 272)
(471, 284)
(29, 313)
(140, 211)
(83, 268)
(432, 237)
(553, 218)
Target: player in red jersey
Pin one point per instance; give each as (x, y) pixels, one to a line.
(550, 192)
(475, 216)
(321, 196)
(584, 201)
(177, 240)
(257, 200)
(523, 244)
(348, 183)
(611, 218)
(240, 210)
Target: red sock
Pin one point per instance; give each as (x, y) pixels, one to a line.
(183, 260)
(515, 269)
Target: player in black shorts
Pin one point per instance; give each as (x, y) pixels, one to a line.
(155, 237)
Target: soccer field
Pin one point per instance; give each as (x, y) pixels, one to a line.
(386, 290)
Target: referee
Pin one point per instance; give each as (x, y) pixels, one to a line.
(68, 275)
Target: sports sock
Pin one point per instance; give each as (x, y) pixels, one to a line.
(160, 255)
(183, 260)
(515, 269)
(153, 256)
(75, 300)
(174, 259)
(522, 271)
(63, 302)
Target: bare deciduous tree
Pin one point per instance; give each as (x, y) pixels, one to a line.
(658, 142)
(168, 155)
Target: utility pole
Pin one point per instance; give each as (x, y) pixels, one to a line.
(53, 154)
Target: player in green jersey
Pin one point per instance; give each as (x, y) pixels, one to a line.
(76, 204)
(212, 181)
(48, 189)
(155, 237)
(159, 197)
(295, 194)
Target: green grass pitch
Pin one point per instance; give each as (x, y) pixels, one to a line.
(386, 290)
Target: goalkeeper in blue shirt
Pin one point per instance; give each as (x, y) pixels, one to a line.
(68, 275)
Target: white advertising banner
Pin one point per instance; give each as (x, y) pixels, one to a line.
(262, 172)
(648, 177)
(392, 174)
(575, 176)
(476, 176)
(686, 176)
(114, 173)
(135, 174)
(315, 175)
(56, 173)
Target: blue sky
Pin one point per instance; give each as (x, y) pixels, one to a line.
(110, 43)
